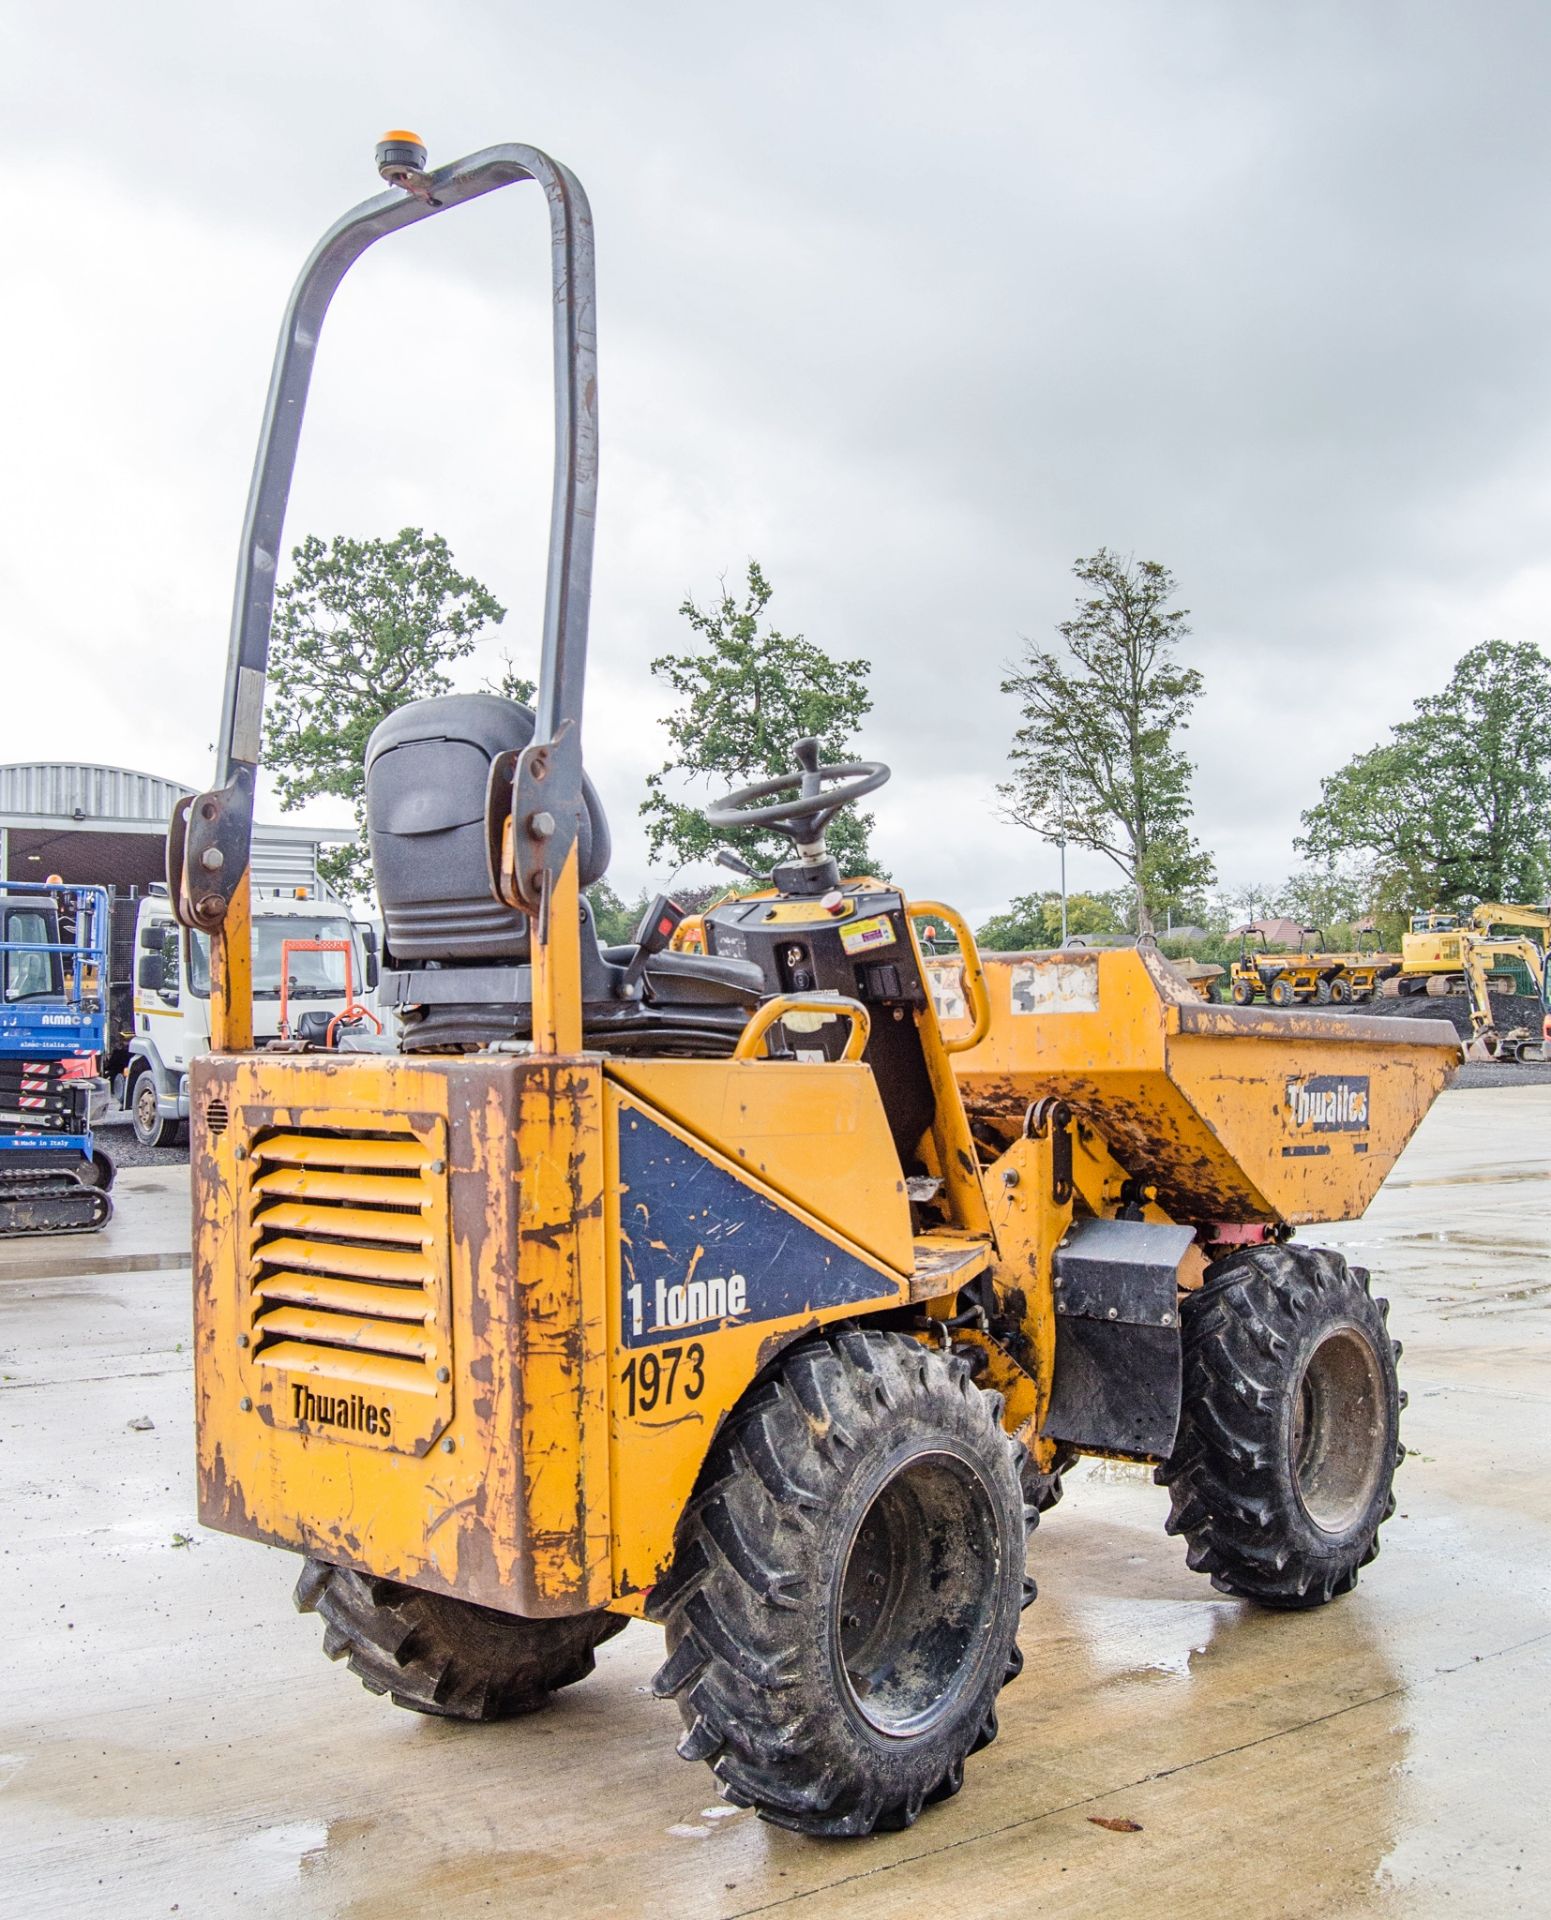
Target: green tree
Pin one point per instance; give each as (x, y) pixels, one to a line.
(743, 701)
(615, 919)
(511, 684)
(1455, 806)
(361, 628)
(1033, 921)
(1330, 896)
(1096, 760)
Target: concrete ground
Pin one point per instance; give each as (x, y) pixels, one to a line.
(172, 1741)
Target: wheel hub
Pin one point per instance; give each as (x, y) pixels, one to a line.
(917, 1595)
(1338, 1431)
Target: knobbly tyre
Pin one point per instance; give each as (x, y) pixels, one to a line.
(734, 1289)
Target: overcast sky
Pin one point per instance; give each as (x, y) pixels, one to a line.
(914, 304)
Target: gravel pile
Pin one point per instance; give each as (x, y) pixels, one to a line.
(1509, 1010)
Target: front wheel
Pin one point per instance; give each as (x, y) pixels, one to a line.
(1289, 1433)
(1341, 993)
(1283, 993)
(151, 1128)
(843, 1605)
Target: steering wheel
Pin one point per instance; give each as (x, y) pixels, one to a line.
(817, 795)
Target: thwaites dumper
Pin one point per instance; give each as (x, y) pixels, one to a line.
(736, 1289)
(1285, 979)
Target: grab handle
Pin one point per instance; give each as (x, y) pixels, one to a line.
(975, 988)
(774, 1011)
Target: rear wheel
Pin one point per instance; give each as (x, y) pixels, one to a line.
(843, 1606)
(1340, 992)
(1243, 993)
(1324, 993)
(437, 1655)
(151, 1128)
(1289, 1434)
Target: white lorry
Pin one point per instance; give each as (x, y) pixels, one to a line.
(171, 976)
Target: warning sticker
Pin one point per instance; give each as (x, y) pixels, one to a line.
(945, 981)
(1057, 983)
(862, 936)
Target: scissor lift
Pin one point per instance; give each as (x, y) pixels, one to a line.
(53, 1013)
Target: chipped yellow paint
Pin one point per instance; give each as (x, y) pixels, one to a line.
(948, 1148)
(516, 1482)
(1195, 1098)
(501, 1494)
(657, 1453)
(231, 974)
(817, 1134)
(410, 1347)
(1029, 1225)
(557, 966)
(561, 1359)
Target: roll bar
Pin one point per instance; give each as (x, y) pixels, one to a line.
(210, 836)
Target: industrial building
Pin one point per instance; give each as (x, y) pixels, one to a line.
(107, 826)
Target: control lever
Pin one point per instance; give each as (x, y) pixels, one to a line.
(658, 925)
(735, 863)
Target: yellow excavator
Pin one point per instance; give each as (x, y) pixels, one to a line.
(1472, 953)
(735, 1289)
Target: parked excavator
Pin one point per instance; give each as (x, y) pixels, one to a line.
(1434, 947)
(1475, 953)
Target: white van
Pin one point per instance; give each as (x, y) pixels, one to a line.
(172, 991)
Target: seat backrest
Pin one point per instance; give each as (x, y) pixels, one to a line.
(427, 768)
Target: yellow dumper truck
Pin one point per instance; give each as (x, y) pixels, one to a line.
(738, 1290)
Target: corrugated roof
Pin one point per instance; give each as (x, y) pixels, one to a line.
(71, 793)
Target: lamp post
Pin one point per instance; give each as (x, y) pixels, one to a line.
(1061, 843)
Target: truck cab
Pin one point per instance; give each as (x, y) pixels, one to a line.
(172, 991)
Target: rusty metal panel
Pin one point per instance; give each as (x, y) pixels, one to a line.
(815, 1132)
(562, 1351)
(711, 1273)
(504, 1500)
(1207, 1104)
(347, 1311)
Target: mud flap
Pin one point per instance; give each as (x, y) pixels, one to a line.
(1118, 1368)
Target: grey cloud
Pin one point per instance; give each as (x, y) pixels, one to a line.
(915, 304)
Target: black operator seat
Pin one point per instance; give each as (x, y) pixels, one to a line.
(457, 960)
